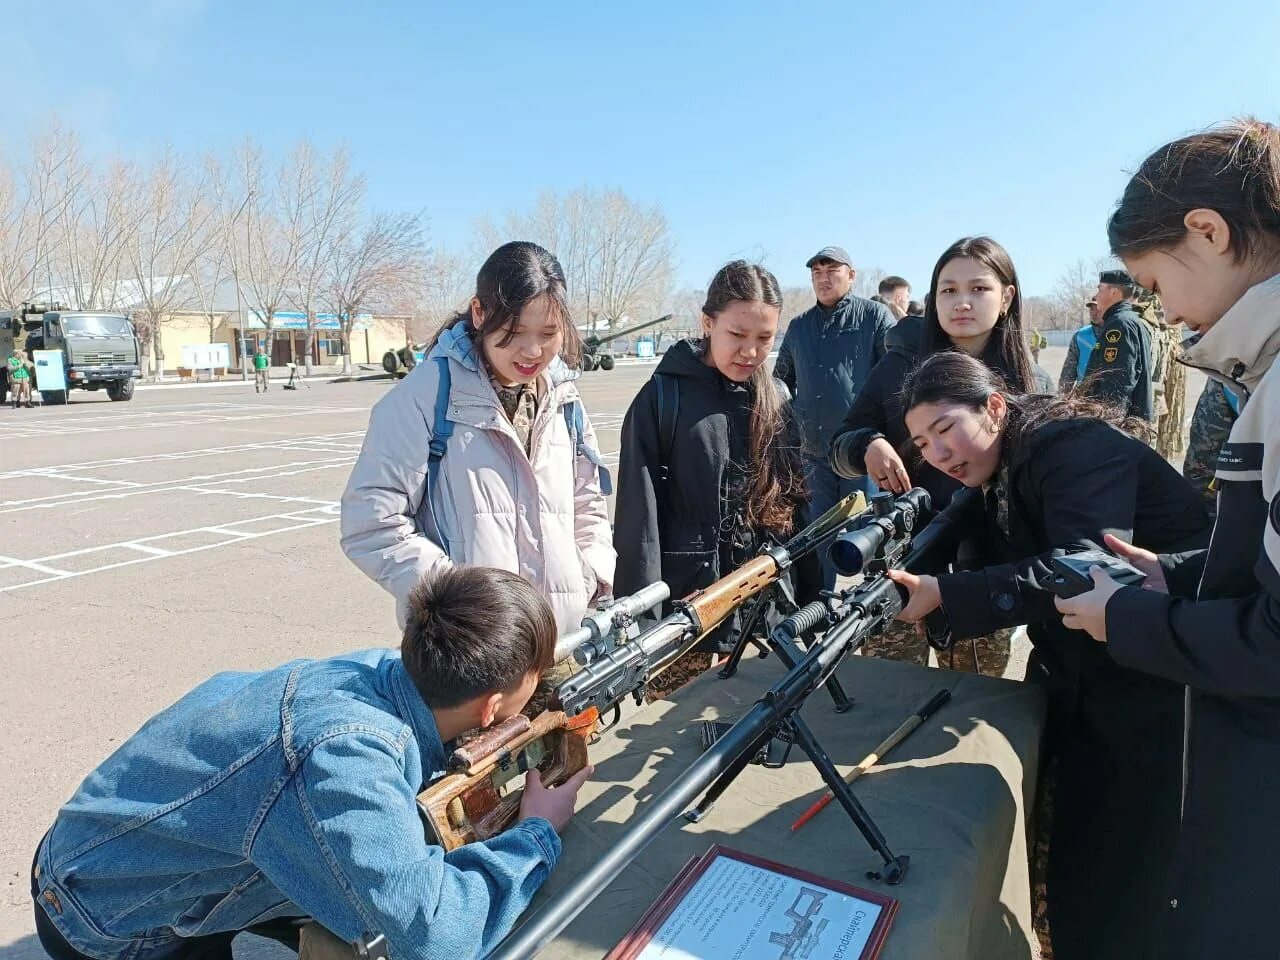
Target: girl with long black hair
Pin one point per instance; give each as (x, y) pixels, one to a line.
(1060, 475)
(710, 467)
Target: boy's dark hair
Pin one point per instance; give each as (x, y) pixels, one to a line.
(1233, 169)
(472, 631)
(890, 284)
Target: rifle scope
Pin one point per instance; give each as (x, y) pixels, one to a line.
(892, 518)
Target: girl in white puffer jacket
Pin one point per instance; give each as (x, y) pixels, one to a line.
(483, 454)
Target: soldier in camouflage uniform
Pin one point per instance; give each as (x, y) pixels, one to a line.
(1215, 413)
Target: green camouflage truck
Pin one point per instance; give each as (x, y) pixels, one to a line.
(99, 350)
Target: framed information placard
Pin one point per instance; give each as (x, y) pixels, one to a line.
(729, 905)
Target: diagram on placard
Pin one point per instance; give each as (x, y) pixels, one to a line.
(806, 931)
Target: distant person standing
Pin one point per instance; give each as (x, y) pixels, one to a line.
(895, 293)
(19, 379)
(261, 370)
(826, 356)
(1083, 342)
(915, 308)
(1119, 371)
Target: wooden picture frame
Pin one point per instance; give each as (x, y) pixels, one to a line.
(786, 903)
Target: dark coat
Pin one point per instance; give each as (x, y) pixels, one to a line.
(1119, 369)
(1225, 645)
(1115, 735)
(825, 358)
(877, 412)
(688, 530)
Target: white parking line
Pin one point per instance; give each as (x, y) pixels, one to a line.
(55, 428)
(192, 483)
(298, 520)
(31, 565)
(337, 440)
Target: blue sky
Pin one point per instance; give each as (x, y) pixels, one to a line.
(764, 129)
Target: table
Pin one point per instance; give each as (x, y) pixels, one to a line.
(954, 797)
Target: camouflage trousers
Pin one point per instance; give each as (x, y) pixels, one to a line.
(987, 655)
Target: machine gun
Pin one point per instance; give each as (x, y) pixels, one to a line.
(848, 617)
(611, 671)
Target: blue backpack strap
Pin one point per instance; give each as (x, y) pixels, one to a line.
(576, 424)
(441, 431)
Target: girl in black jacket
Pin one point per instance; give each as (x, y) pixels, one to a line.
(1200, 224)
(975, 306)
(732, 476)
(1058, 479)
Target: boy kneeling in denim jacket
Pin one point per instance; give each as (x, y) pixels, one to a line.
(262, 798)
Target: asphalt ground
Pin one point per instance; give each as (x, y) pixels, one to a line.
(145, 546)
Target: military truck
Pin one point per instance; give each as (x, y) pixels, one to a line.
(99, 350)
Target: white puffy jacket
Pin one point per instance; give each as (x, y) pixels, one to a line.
(541, 515)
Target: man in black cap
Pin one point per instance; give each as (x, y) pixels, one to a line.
(825, 358)
(1119, 369)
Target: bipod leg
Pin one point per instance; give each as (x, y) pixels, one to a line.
(745, 637)
(725, 780)
(790, 655)
(895, 868)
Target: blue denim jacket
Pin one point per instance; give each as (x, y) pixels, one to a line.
(825, 358)
(285, 793)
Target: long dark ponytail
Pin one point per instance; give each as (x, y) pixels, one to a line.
(774, 472)
(1007, 347)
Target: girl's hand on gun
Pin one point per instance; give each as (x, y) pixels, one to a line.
(885, 467)
(924, 595)
(554, 804)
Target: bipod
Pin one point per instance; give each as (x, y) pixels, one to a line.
(779, 594)
(792, 728)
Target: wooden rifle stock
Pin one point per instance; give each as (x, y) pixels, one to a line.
(480, 797)
(712, 605)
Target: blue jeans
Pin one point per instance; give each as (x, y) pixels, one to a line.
(826, 489)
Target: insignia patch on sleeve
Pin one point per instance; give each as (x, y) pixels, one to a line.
(1109, 354)
(1113, 336)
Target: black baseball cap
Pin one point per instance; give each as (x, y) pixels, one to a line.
(834, 254)
(1116, 278)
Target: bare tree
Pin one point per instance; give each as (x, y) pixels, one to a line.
(324, 198)
(267, 238)
(28, 210)
(617, 256)
(1076, 286)
(448, 283)
(94, 220)
(381, 263)
(174, 216)
(866, 283)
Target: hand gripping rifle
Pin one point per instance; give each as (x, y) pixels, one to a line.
(848, 618)
(480, 795)
(612, 670)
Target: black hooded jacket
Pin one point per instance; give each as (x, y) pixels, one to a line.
(686, 529)
(877, 411)
(1115, 733)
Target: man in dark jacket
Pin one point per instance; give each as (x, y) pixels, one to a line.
(826, 356)
(1119, 370)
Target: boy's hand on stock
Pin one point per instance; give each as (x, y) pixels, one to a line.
(554, 804)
